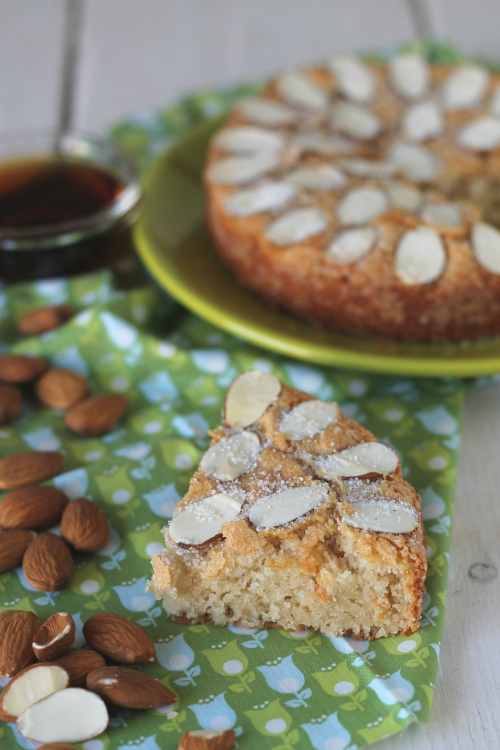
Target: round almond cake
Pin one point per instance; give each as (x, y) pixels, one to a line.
(366, 197)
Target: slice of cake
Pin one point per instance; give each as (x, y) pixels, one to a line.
(295, 518)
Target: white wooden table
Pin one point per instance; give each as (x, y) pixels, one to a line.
(135, 54)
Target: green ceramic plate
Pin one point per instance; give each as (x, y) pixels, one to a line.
(174, 245)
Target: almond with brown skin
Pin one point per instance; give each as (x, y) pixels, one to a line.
(11, 403)
(203, 739)
(96, 415)
(55, 637)
(23, 469)
(61, 389)
(84, 525)
(16, 368)
(17, 628)
(13, 545)
(79, 663)
(29, 686)
(119, 639)
(127, 688)
(36, 507)
(45, 319)
(47, 563)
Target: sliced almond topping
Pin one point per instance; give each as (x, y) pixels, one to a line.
(71, 715)
(300, 91)
(355, 121)
(238, 170)
(335, 467)
(404, 196)
(308, 418)
(358, 461)
(409, 76)
(486, 246)
(415, 162)
(351, 245)
(319, 143)
(30, 686)
(232, 456)
(354, 79)
(295, 226)
(374, 168)
(423, 121)
(201, 522)
(442, 214)
(317, 177)
(268, 197)
(361, 205)
(495, 102)
(267, 112)
(245, 139)
(381, 515)
(420, 256)
(465, 87)
(249, 396)
(283, 507)
(482, 134)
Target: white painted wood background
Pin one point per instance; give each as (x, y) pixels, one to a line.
(135, 54)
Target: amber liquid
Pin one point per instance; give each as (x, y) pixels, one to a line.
(38, 192)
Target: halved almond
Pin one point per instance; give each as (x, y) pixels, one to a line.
(415, 162)
(355, 121)
(296, 226)
(267, 197)
(55, 637)
(315, 142)
(404, 196)
(465, 87)
(351, 245)
(364, 460)
(300, 91)
(284, 507)
(482, 134)
(308, 418)
(247, 139)
(201, 522)
(30, 686)
(486, 246)
(317, 177)
(361, 205)
(232, 456)
(420, 256)
(248, 397)
(355, 80)
(423, 121)
(409, 76)
(267, 112)
(442, 214)
(206, 739)
(239, 170)
(385, 516)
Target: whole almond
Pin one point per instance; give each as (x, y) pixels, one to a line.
(119, 639)
(33, 689)
(61, 389)
(84, 525)
(16, 368)
(23, 469)
(47, 563)
(17, 628)
(11, 403)
(78, 664)
(13, 545)
(55, 637)
(128, 688)
(37, 507)
(96, 415)
(202, 739)
(45, 319)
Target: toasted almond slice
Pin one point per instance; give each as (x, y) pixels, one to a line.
(268, 197)
(409, 76)
(317, 177)
(239, 170)
(30, 686)
(465, 87)
(495, 102)
(248, 397)
(361, 205)
(351, 245)
(295, 226)
(381, 515)
(232, 456)
(373, 168)
(266, 112)
(442, 214)
(246, 139)
(486, 246)
(355, 121)
(201, 522)
(315, 142)
(482, 134)
(376, 456)
(420, 256)
(415, 162)
(337, 467)
(354, 79)
(423, 121)
(283, 507)
(300, 91)
(308, 418)
(404, 196)
(70, 715)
